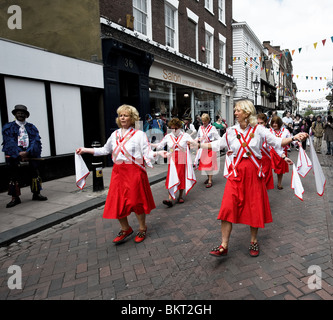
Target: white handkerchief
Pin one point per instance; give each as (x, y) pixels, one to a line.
(318, 171)
(296, 184)
(81, 171)
(304, 164)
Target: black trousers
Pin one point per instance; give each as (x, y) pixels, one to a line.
(17, 173)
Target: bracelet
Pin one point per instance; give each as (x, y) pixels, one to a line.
(199, 143)
(284, 157)
(293, 139)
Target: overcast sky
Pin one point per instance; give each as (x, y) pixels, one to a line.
(294, 24)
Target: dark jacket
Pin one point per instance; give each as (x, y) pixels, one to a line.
(10, 133)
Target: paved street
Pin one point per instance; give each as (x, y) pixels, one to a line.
(77, 260)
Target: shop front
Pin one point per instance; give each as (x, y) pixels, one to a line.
(180, 93)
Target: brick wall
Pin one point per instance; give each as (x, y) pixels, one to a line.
(116, 10)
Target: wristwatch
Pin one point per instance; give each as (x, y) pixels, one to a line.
(284, 157)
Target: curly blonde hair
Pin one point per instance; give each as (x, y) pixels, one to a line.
(134, 114)
(249, 109)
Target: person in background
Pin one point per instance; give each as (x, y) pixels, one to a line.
(22, 143)
(279, 155)
(208, 158)
(318, 132)
(189, 127)
(266, 157)
(328, 136)
(287, 119)
(304, 128)
(129, 186)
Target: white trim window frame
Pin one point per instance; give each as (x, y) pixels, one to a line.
(209, 6)
(222, 52)
(142, 17)
(171, 24)
(209, 45)
(221, 11)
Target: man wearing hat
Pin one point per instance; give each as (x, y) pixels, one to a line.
(22, 143)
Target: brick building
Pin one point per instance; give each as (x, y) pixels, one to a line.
(168, 56)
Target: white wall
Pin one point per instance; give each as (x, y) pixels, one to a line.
(29, 62)
(32, 95)
(67, 118)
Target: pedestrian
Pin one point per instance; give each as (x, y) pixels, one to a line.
(180, 174)
(22, 143)
(197, 122)
(189, 127)
(129, 189)
(287, 119)
(304, 128)
(266, 156)
(318, 132)
(220, 125)
(245, 198)
(279, 155)
(207, 158)
(328, 136)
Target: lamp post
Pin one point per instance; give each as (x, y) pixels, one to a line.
(256, 87)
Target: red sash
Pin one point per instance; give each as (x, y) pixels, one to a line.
(121, 148)
(205, 132)
(245, 149)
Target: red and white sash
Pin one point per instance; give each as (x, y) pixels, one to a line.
(279, 135)
(245, 149)
(205, 132)
(120, 148)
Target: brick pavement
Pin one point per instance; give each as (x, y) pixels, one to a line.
(76, 259)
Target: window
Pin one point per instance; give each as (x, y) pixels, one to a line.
(209, 49)
(246, 78)
(169, 26)
(209, 5)
(222, 50)
(221, 10)
(209, 44)
(140, 14)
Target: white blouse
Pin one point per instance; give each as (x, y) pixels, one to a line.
(175, 143)
(211, 135)
(230, 141)
(136, 146)
(283, 133)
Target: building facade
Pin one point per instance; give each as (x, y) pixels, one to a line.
(52, 64)
(286, 87)
(168, 56)
(247, 54)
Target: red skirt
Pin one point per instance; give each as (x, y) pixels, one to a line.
(245, 198)
(179, 158)
(129, 192)
(267, 169)
(279, 165)
(208, 160)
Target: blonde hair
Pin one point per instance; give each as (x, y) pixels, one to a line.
(205, 116)
(133, 113)
(249, 109)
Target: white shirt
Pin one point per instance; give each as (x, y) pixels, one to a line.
(137, 146)
(255, 144)
(170, 140)
(283, 133)
(208, 134)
